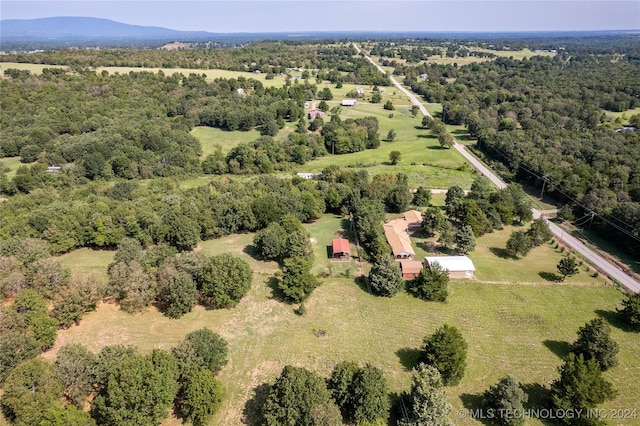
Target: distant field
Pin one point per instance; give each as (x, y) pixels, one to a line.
(422, 158)
(511, 329)
(89, 259)
(34, 68)
(11, 163)
(210, 137)
(625, 115)
(460, 61)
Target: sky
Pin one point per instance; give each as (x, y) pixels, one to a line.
(349, 15)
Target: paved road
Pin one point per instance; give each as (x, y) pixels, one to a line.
(414, 99)
(596, 259)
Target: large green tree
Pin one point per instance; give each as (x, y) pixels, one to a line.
(595, 342)
(29, 391)
(224, 280)
(134, 288)
(580, 387)
(294, 397)
(465, 240)
(519, 244)
(446, 350)
(385, 277)
(361, 393)
(177, 292)
(507, 399)
(297, 281)
(427, 401)
(138, 390)
(202, 349)
(431, 284)
(200, 396)
(76, 367)
(630, 312)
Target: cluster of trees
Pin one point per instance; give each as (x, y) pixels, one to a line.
(159, 212)
(521, 242)
(579, 387)
(120, 384)
(353, 394)
(46, 297)
(288, 243)
(350, 135)
(177, 282)
(539, 123)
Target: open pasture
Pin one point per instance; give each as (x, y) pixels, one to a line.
(519, 329)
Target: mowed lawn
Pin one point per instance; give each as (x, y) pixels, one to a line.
(510, 329)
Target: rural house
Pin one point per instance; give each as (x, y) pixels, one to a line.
(396, 233)
(340, 249)
(457, 266)
(414, 220)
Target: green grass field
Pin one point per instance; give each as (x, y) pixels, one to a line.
(422, 158)
(519, 329)
(33, 68)
(210, 137)
(10, 165)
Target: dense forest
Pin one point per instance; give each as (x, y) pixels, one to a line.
(136, 125)
(332, 62)
(543, 120)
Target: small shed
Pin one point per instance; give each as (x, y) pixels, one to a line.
(410, 269)
(348, 102)
(457, 266)
(340, 249)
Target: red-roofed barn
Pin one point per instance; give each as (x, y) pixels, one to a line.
(340, 249)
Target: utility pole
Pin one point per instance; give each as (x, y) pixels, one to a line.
(591, 219)
(545, 179)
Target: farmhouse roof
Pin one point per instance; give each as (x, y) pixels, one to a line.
(348, 102)
(411, 266)
(413, 217)
(452, 263)
(398, 239)
(340, 245)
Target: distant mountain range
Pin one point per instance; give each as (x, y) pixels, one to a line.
(89, 29)
(60, 32)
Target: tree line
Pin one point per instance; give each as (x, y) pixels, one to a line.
(120, 384)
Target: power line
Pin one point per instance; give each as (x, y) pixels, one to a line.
(556, 187)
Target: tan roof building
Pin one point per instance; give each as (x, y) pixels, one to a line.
(410, 268)
(413, 219)
(396, 233)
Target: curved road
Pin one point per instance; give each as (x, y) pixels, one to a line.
(593, 257)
